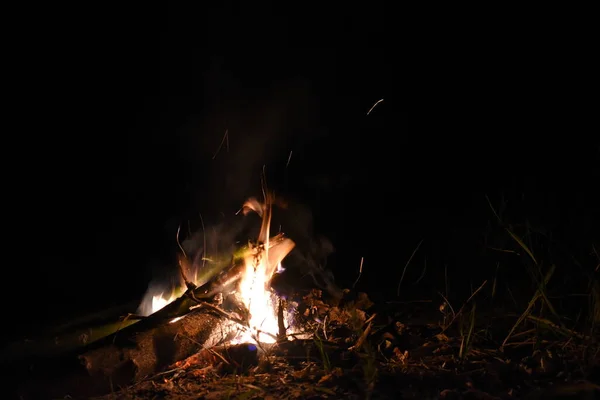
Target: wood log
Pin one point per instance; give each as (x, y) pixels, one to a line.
(152, 350)
(123, 360)
(67, 336)
(95, 330)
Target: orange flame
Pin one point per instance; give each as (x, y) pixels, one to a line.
(254, 287)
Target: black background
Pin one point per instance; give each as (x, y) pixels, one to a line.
(116, 115)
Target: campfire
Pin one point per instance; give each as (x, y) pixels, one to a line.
(224, 332)
(245, 284)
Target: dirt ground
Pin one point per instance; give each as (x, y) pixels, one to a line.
(416, 350)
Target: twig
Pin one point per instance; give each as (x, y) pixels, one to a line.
(216, 309)
(524, 333)
(218, 355)
(132, 316)
(207, 349)
(190, 285)
(259, 332)
(537, 295)
(362, 338)
(422, 273)
(128, 317)
(371, 318)
(564, 331)
(280, 323)
(447, 302)
(163, 373)
(177, 240)
(463, 307)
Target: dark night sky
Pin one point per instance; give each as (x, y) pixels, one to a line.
(119, 114)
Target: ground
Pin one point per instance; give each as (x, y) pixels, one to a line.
(417, 350)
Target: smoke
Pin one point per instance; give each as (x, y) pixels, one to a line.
(262, 123)
(305, 266)
(240, 130)
(166, 281)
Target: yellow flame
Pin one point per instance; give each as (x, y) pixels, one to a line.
(159, 301)
(254, 287)
(261, 303)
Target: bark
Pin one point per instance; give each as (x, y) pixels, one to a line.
(126, 357)
(68, 336)
(150, 351)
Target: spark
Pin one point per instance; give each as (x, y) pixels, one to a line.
(289, 158)
(177, 240)
(374, 105)
(362, 259)
(224, 140)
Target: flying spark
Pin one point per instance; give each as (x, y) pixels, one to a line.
(373, 106)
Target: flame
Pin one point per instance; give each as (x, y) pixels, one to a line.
(260, 266)
(158, 298)
(260, 302)
(159, 301)
(253, 289)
